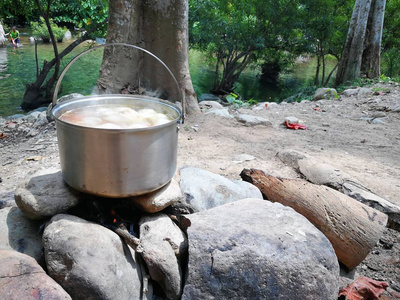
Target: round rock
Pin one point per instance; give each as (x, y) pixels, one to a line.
(255, 249)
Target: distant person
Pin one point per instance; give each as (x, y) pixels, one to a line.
(3, 38)
(14, 35)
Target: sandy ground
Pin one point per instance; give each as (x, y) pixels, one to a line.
(358, 135)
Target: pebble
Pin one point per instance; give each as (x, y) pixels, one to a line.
(292, 120)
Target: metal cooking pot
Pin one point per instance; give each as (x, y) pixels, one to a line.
(117, 163)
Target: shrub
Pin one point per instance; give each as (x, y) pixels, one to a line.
(39, 30)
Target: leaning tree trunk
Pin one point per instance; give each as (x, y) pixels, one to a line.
(33, 96)
(159, 27)
(371, 56)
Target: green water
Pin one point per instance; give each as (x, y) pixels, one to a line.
(20, 69)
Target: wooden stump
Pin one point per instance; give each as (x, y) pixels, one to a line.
(352, 227)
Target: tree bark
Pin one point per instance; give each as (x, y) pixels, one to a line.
(352, 227)
(361, 54)
(350, 63)
(371, 56)
(161, 28)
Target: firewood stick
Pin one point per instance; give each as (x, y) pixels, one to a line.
(128, 238)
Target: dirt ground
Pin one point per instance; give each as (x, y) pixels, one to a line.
(358, 135)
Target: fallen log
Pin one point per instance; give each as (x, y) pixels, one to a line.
(352, 227)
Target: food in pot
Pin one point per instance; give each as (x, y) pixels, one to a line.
(114, 116)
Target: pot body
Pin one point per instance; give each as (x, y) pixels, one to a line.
(117, 163)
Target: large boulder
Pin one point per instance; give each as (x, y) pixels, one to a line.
(255, 249)
(164, 249)
(21, 277)
(204, 190)
(21, 234)
(45, 194)
(90, 261)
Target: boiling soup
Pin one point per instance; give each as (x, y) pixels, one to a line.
(114, 116)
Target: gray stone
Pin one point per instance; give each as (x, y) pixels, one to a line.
(219, 112)
(15, 117)
(90, 261)
(163, 245)
(209, 105)
(45, 195)
(364, 92)
(204, 190)
(249, 120)
(67, 35)
(350, 92)
(291, 157)
(364, 195)
(379, 114)
(21, 277)
(243, 157)
(265, 105)
(160, 199)
(292, 120)
(254, 249)
(322, 174)
(395, 108)
(209, 97)
(20, 234)
(325, 93)
(378, 121)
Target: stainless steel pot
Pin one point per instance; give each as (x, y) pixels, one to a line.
(117, 163)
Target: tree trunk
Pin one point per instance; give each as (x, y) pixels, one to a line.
(352, 227)
(371, 57)
(350, 64)
(159, 27)
(34, 93)
(361, 54)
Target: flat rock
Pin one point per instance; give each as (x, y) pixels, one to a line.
(249, 120)
(204, 190)
(322, 173)
(209, 97)
(163, 245)
(209, 105)
(21, 234)
(255, 249)
(160, 199)
(291, 157)
(292, 120)
(45, 194)
(21, 277)
(243, 157)
(90, 261)
(219, 112)
(350, 92)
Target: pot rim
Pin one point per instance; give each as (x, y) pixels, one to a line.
(93, 98)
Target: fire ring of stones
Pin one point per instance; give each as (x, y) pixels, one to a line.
(202, 237)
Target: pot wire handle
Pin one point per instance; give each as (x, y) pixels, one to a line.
(119, 44)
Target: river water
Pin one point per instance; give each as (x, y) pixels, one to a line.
(18, 68)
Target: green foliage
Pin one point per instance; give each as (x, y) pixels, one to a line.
(237, 33)
(233, 99)
(82, 14)
(39, 30)
(380, 90)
